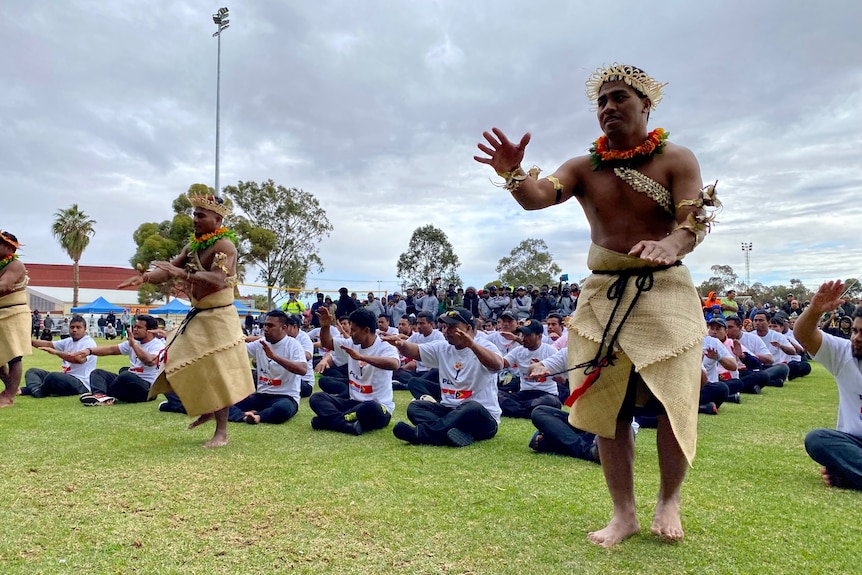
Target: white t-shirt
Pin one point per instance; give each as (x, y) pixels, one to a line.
(558, 363)
(148, 373)
(710, 365)
(366, 382)
(307, 347)
(389, 331)
(417, 338)
(837, 357)
(272, 378)
(462, 375)
(754, 344)
(520, 359)
(504, 346)
(777, 352)
(80, 371)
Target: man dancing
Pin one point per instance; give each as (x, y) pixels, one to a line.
(15, 319)
(205, 363)
(643, 199)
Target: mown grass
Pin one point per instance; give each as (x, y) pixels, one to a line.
(127, 489)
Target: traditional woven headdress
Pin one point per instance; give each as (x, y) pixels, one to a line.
(634, 77)
(210, 202)
(10, 239)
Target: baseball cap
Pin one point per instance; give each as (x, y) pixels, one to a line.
(530, 326)
(717, 320)
(457, 315)
(520, 288)
(507, 315)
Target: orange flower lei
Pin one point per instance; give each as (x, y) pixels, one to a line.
(200, 243)
(600, 153)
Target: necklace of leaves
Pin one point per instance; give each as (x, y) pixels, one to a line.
(205, 241)
(7, 260)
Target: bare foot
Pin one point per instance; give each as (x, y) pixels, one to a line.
(617, 530)
(6, 401)
(251, 417)
(666, 523)
(218, 440)
(201, 420)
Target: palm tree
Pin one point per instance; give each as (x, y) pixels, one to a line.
(72, 228)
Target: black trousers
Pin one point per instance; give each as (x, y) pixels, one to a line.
(331, 409)
(125, 386)
(433, 421)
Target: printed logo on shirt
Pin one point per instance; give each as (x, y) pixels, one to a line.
(361, 388)
(66, 368)
(457, 394)
(362, 365)
(267, 381)
(458, 365)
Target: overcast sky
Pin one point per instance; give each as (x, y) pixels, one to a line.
(376, 107)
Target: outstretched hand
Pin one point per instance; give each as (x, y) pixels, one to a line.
(828, 297)
(505, 156)
(133, 281)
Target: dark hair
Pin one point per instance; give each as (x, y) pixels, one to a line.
(280, 316)
(735, 319)
(78, 319)
(429, 317)
(857, 312)
(364, 318)
(411, 319)
(761, 312)
(343, 317)
(12, 240)
(149, 320)
(556, 316)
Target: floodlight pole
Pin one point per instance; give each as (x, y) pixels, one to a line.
(746, 249)
(220, 19)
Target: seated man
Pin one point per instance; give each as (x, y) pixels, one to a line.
(740, 378)
(777, 372)
(796, 366)
(370, 363)
(76, 370)
(294, 330)
(468, 410)
(131, 385)
(714, 392)
(532, 393)
(383, 326)
(839, 451)
(419, 378)
(281, 362)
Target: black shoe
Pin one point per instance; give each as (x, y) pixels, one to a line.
(756, 390)
(734, 398)
(709, 409)
(316, 424)
(353, 428)
(405, 432)
(459, 438)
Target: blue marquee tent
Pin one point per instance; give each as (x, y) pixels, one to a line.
(174, 306)
(100, 305)
(243, 309)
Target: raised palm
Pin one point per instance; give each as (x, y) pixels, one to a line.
(504, 155)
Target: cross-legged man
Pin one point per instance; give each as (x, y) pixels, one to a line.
(131, 385)
(468, 409)
(370, 363)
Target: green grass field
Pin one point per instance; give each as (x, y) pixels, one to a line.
(127, 489)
